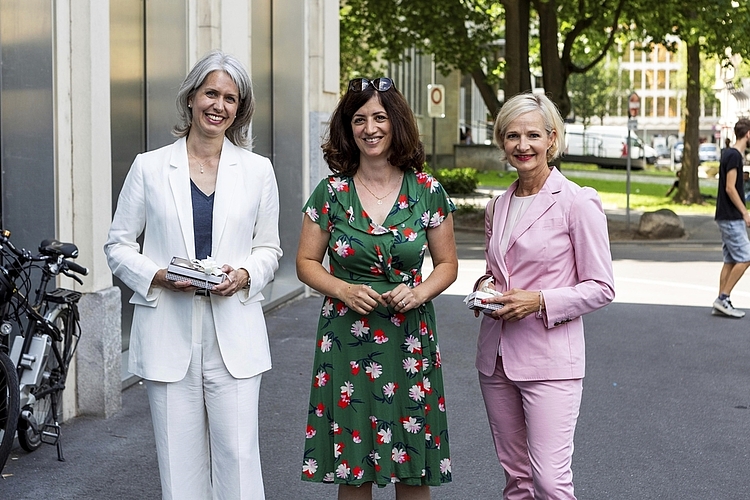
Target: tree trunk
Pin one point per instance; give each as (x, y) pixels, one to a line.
(487, 91)
(554, 72)
(517, 73)
(688, 191)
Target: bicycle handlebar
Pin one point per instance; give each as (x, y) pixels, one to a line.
(76, 268)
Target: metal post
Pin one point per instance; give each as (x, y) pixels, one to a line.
(434, 148)
(627, 181)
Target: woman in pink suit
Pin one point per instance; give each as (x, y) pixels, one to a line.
(548, 254)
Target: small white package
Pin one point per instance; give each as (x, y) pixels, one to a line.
(474, 301)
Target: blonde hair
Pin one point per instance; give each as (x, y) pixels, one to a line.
(521, 104)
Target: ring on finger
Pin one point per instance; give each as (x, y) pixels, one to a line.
(403, 304)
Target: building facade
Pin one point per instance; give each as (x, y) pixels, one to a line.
(85, 85)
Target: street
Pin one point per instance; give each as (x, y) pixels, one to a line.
(664, 413)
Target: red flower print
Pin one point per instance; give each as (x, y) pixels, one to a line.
(441, 403)
(339, 184)
(397, 319)
(310, 433)
(403, 202)
(410, 234)
(373, 421)
(321, 379)
(326, 208)
(341, 308)
(355, 367)
(343, 249)
(356, 437)
(320, 409)
(358, 472)
(338, 449)
(380, 337)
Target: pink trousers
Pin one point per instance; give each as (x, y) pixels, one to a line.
(532, 424)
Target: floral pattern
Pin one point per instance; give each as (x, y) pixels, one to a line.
(377, 407)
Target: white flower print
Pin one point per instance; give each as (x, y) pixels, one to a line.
(310, 467)
(321, 379)
(411, 425)
(342, 471)
(445, 465)
(411, 365)
(360, 328)
(374, 370)
(374, 456)
(389, 389)
(350, 214)
(347, 388)
(416, 393)
(413, 345)
(343, 248)
(437, 218)
(328, 308)
(338, 449)
(399, 456)
(312, 212)
(385, 436)
(325, 343)
(425, 219)
(339, 184)
(427, 385)
(328, 478)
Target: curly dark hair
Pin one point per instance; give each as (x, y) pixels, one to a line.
(340, 150)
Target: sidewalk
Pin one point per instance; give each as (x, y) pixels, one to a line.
(665, 401)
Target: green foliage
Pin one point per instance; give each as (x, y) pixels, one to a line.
(458, 180)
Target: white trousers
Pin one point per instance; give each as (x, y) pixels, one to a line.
(206, 425)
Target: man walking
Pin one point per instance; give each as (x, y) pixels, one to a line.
(733, 220)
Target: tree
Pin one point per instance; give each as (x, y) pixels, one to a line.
(711, 29)
(463, 35)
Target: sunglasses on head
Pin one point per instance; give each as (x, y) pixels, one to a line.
(380, 84)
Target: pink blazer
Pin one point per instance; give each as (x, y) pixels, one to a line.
(561, 247)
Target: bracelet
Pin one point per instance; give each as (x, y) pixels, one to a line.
(539, 312)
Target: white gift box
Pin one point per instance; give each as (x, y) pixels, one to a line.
(474, 301)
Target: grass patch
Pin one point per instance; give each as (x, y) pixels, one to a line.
(644, 196)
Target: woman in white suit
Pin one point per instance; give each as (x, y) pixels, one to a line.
(202, 353)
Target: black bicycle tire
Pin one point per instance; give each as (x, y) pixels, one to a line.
(9, 401)
(28, 439)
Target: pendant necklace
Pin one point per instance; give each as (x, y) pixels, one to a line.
(380, 198)
(206, 161)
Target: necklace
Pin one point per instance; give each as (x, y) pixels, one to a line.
(380, 198)
(205, 161)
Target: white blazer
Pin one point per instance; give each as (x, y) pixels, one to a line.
(156, 201)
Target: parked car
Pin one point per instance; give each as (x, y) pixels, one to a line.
(677, 151)
(662, 151)
(708, 152)
(649, 154)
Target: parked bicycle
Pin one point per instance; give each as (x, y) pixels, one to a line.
(38, 338)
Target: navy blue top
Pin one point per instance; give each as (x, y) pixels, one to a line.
(203, 215)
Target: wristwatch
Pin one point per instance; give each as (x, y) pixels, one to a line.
(247, 285)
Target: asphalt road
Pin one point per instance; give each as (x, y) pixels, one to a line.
(664, 413)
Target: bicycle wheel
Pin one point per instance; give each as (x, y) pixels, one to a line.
(9, 400)
(45, 408)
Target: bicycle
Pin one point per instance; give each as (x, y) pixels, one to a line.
(37, 342)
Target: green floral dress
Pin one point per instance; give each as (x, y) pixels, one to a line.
(377, 405)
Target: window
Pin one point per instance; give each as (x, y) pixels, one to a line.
(661, 79)
(660, 103)
(637, 79)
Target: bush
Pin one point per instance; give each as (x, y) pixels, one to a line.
(458, 180)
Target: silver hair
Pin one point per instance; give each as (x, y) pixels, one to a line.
(217, 60)
(521, 104)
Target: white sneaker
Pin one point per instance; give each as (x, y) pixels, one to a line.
(726, 308)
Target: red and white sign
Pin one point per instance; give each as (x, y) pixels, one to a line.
(634, 105)
(436, 101)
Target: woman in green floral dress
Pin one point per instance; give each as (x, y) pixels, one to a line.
(377, 406)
